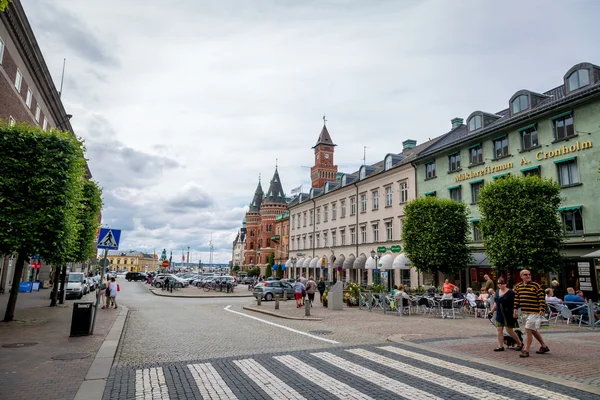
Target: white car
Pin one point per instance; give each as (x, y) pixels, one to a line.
(159, 281)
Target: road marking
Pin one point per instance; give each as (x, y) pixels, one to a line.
(150, 384)
(282, 326)
(375, 378)
(407, 369)
(209, 382)
(513, 384)
(331, 385)
(273, 386)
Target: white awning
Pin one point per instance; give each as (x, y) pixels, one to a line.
(360, 261)
(339, 261)
(349, 262)
(306, 262)
(593, 254)
(401, 262)
(299, 262)
(386, 261)
(288, 263)
(315, 262)
(370, 264)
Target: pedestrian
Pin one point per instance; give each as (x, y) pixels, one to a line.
(321, 288)
(489, 283)
(299, 292)
(529, 297)
(311, 288)
(447, 288)
(304, 280)
(504, 304)
(103, 287)
(113, 288)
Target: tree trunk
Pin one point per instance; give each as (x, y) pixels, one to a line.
(63, 286)
(54, 294)
(14, 290)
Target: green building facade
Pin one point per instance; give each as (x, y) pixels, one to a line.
(555, 134)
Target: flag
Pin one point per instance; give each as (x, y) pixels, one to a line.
(171, 258)
(297, 190)
(182, 257)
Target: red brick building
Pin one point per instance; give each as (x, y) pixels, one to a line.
(324, 170)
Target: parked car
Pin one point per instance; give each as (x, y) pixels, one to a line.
(268, 289)
(135, 276)
(159, 280)
(76, 285)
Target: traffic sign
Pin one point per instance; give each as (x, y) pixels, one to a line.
(109, 238)
(104, 262)
(165, 263)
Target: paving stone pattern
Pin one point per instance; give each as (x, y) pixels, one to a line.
(380, 371)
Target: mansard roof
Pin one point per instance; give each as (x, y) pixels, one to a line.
(324, 138)
(275, 194)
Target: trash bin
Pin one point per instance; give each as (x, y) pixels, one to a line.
(81, 320)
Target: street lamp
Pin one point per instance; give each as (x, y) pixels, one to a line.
(376, 256)
(293, 261)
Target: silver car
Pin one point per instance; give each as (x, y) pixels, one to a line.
(268, 289)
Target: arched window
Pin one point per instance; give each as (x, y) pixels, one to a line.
(520, 103)
(579, 79)
(475, 123)
(251, 246)
(362, 173)
(388, 162)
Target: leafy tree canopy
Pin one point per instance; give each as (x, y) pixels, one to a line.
(520, 224)
(4, 4)
(88, 214)
(435, 233)
(270, 263)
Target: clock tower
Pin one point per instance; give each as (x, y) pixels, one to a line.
(324, 170)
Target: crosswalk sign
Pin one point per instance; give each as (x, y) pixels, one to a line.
(109, 239)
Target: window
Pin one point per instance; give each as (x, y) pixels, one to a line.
(572, 221)
(563, 127)
(37, 113)
(400, 223)
(343, 236)
(311, 218)
(455, 193)
(476, 154)
(363, 202)
(453, 162)
(362, 174)
(298, 243)
(251, 233)
(403, 192)
(376, 200)
(477, 236)
(352, 236)
(333, 239)
(388, 163)
(319, 215)
(325, 213)
(333, 211)
(533, 171)
(119, 261)
(11, 121)
(475, 188)
(304, 219)
(303, 242)
(352, 205)
(476, 122)
(375, 233)
(500, 147)
(1, 50)
(388, 196)
(310, 241)
(269, 227)
(430, 170)
(317, 240)
(125, 261)
(298, 221)
(579, 79)
(293, 221)
(363, 234)
(389, 231)
(28, 99)
(325, 243)
(529, 138)
(520, 103)
(343, 208)
(18, 81)
(568, 173)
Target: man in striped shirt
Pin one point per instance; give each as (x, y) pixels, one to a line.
(529, 297)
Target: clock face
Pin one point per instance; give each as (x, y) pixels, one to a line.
(326, 155)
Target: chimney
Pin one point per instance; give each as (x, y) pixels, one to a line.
(408, 144)
(456, 122)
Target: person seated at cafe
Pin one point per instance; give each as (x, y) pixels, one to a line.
(580, 294)
(574, 301)
(401, 293)
(457, 294)
(471, 297)
(447, 289)
(483, 296)
(490, 299)
(555, 301)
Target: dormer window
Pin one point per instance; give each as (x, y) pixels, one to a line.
(388, 162)
(362, 173)
(520, 103)
(344, 180)
(475, 123)
(579, 79)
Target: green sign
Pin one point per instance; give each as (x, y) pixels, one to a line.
(382, 249)
(396, 249)
(104, 262)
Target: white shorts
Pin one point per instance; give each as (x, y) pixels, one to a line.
(533, 321)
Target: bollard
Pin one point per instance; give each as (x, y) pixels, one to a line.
(277, 302)
(370, 300)
(285, 295)
(359, 297)
(383, 300)
(307, 309)
(258, 300)
(591, 318)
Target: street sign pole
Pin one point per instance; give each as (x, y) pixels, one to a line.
(102, 266)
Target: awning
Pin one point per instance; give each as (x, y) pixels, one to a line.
(288, 262)
(339, 262)
(401, 262)
(315, 262)
(349, 262)
(572, 208)
(283, 267)
(593, 254)
(274, 267)
(306, 262)
(360, 261)
(370, 264)
(299, 262)
(386, 261)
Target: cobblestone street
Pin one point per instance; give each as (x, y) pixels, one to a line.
(222, 348)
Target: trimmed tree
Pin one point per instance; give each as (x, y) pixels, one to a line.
(41, 180)
(88, 214)
(270, 263)
(436, 235)
(4, 4)
(520, 224)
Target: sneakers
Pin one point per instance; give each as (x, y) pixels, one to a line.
(542, 350)
(524, 354)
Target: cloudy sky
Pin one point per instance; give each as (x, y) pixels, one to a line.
(183, 103)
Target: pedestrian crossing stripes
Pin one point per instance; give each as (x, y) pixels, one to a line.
(373, 372)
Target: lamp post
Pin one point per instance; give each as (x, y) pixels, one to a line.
(377, 256)
(293, 260)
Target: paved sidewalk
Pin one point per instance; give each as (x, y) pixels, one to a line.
(573, 358)
(194, 292)
(29, 371)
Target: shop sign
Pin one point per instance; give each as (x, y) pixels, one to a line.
(396, 249)
(485, 171)
(382, 249)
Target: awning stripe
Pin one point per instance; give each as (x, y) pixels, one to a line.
(474, 182)
(473, 146)
(453, 187)
(565, 160)
(526, 127)
(530, 168)
(561, 115)
(572, 208)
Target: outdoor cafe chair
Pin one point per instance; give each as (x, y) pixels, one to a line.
(378, 301)
(553, 311)
(449, 306)
(402, 305)
(481, 306)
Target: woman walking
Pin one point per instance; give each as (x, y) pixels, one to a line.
(321, 288)
(103, 287)
(299, 291)
(504, 302)
(311, 288)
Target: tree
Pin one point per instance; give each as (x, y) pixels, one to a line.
(520, 224)
(270, 263)
(279, 271)
(41, 180)
(88, 214)
(4, 4)
(436, 235)
(236, 268)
